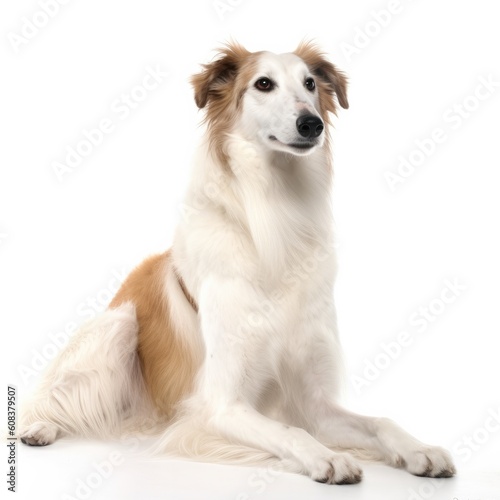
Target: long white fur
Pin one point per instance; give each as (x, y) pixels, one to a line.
(255, 250)
(94, 387)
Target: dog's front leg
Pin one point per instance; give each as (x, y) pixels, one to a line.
(336, 427)
(383, 439)
(242, 351)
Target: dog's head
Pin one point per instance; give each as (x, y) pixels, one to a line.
(279, 101)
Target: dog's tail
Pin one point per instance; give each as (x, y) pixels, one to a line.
(94, 387)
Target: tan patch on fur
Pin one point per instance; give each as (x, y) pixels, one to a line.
(167, 364)
(331, 80)
(220, 87)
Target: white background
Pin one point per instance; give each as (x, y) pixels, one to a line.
(62, 242)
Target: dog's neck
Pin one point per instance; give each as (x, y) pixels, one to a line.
(280, 202)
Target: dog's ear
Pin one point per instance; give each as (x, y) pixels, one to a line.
(335, 80)
(216, 76)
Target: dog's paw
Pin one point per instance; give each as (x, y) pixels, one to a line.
(430, 461)
(39, 434)
(338, 468)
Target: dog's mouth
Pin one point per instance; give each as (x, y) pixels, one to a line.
(303, 145)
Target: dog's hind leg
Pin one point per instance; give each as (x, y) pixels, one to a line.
(92, 387)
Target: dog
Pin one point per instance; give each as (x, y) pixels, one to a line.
(228, 340)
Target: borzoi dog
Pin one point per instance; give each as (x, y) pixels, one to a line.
(230, 338)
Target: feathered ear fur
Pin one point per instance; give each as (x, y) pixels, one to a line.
(334, 81)
(219, 88)
(213, 82)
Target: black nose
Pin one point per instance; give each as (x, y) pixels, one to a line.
(309, 126)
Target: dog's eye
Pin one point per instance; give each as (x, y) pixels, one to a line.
(264, 84)
(310, 84)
